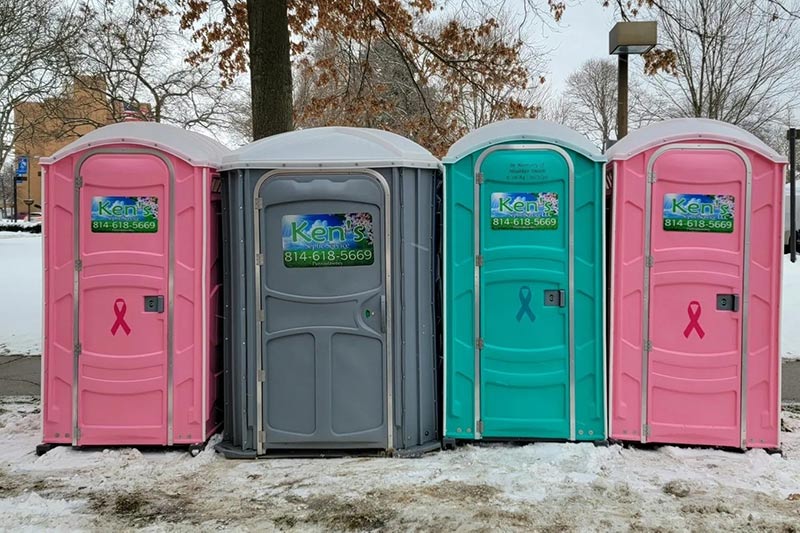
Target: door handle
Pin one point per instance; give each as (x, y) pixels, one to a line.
(728, 302)
(383, 313)
(153, 304)
(555, 298)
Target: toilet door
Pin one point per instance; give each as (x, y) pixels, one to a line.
(696, 279)
(122, 273)
(524, 261)
(325, 326)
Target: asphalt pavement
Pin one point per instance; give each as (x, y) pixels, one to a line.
(22, 375)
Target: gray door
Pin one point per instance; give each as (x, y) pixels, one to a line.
(323, 291)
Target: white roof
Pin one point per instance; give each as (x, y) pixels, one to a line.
(682, 129)
(190, 146)
(335, 147)
(522, 129)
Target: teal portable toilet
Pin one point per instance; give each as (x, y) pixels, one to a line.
(524, 284)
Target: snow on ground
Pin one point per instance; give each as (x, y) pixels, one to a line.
(790, 312)
(21, 297)
(20, 293)
(545, 486)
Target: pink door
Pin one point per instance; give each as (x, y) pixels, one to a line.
(123, 241)
(698, 226)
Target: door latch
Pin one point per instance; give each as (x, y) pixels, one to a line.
(555, 298)
(153, 304)
(728, 302)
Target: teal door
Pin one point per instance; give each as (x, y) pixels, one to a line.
(524, 216)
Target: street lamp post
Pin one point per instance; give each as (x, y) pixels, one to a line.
(628, 38)
(793, 135)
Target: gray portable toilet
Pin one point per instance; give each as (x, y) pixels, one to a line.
(330, 259)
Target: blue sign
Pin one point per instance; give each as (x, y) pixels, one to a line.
(22, 166)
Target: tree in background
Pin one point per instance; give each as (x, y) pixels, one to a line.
(349, 82)
(731, 60)
(35, 36)
(494, 98)
(735, 61)
(589, 102)
(130, 62)
(438, 53)
(779, 9)
(7, 184)
(591, 94)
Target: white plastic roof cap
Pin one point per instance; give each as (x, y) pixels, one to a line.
(331, 147)
(682, 129)
(523, 129)
(190, 146)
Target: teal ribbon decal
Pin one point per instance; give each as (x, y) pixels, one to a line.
(525, 297)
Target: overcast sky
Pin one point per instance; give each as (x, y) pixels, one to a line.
(582, 34)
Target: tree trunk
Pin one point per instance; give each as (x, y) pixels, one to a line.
(3, 196)
(270, 67)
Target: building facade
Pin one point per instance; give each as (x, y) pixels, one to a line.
(42, 128)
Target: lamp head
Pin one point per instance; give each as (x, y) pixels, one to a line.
(632, 37)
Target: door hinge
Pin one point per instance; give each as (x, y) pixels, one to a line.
(76, 350)
(648, 345)
(646, 430)
(77, 434)
(262, 437)
(262, 316)
(78, 182)
(262, 376)
(259, 203)
(479, 426)
(648, 261)
(259, 259)
(479, 260)
(78, 265)
(479, 178)
(479, 343)
(651, 177)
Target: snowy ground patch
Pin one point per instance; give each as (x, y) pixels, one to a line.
(572, 487)
(790, 312)
(21, 297)
(20, 293)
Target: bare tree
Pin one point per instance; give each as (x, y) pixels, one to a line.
(555, 108)
(7, 184)
(735, 60)
(592, 96)
(492, 99)
(777, 9)
(133, 65)
(34, 37)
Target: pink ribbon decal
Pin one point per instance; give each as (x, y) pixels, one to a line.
(694, 311)
(120, 308)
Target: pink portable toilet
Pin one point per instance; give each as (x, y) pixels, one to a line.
(696, 278)
(132, 282)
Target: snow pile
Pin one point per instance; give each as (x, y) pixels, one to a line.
(499, 486)
(790, 312)
(31, 512)
(20, 294)
(20, 226)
